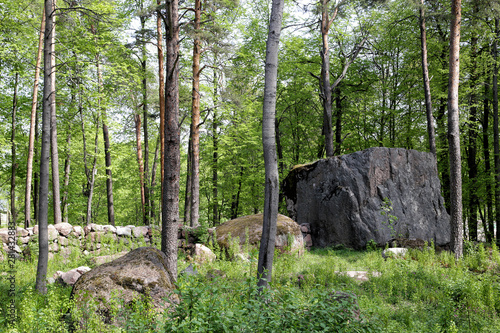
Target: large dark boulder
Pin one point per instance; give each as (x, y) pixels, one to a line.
(342, 197)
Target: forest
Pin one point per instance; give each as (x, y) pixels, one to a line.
(103, 102)
(107, 81)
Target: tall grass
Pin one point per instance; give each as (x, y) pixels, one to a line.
(424, 292)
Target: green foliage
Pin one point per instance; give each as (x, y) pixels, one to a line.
(390, 222)
(425, 292)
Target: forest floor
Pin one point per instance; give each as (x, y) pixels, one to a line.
(424, 292)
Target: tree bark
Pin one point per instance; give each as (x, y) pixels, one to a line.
(137, 119)
(496, 143)
(472, 143)
(48, 104)
(33, 129)
(13, 212)
(53, 136)
(91, 181)
(454, 132)
(195, 119)
(488, 224)
(266, 251)
(338, 121)
(161, 92)
(215, 158)
(145, 116)
(187, 194)
(426, 81)
(107, 152)
(67, 169)
(325, 79)
(170, 201)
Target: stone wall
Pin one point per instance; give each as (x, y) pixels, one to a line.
(93, 238)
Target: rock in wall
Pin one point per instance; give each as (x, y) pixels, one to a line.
(342, 197)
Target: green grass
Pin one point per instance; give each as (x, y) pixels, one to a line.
(425, 292)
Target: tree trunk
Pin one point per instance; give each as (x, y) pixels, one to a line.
(49, 101)
(487, 163)
(325, 80)
(153, 181)
(195, 119)
(33, 129)
(13, 212)
(427, 88)
(235, 203)
(266, 251)
(170, 201)
(187, 193)
(91, 181)
(472, 144)
(215, 158)
(107, 153)
(36, 175)
(137, 119)
(338, 121)
(454, 132)
(67, 169)
(161, 92)
(496, 144)
(145, 116)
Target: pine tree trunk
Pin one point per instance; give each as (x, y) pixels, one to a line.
(338, 121)
(472, 145)
(145, 116)
(496, 143)
(454, 133)
(67, 169)
(269, 225)
(187, 193)
(325, 80)
(13, 211)
(107, 153)
(487, 163)
(48, 104)
(427, 88)
(170, 201)
(137, 119)
(161, 92)
(215, 159)
(33, 129)
(195, 119)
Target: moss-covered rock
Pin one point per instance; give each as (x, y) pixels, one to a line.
(140, 274)
(248, 229)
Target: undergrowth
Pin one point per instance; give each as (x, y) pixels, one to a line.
(424, 292)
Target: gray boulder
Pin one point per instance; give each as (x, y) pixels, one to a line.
(342, 197)
(140, 273)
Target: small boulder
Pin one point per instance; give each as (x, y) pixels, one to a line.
(53, 233)
(140, 273)
(69, 278)
(25, 240)
(53, 247)
(30, 230)
(4, 235)
(190, 270)
(202, 254)
(109, 228)
(22, 232)
(63, 241)
(394, 252)
(124, 231)
(64, 228)
(140, 231)
(35, 229)
(77, 230)
(287, 229)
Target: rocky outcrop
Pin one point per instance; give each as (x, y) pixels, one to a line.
(249, 228)
(341, 198)
(140, 273)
